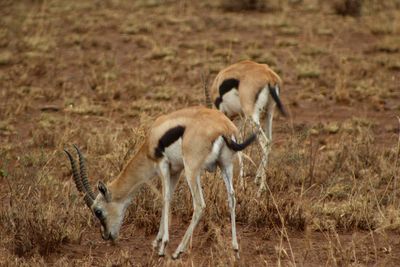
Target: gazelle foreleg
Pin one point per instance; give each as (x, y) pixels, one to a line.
(169, 182)
(193, 179)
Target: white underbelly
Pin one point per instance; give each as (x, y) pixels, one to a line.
(260, 105)
(210, 163)
(230, 104)
(173, 154)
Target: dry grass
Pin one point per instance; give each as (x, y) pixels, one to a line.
(242, 5)
(348, 7)
(344, 187)
(71, 72)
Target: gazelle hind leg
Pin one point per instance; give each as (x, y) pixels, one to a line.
(240, 162)
(268, 123)
(261, 175)
(265, 143)
(193, 179)
(241, 168)
(262, 141)
(227, 174)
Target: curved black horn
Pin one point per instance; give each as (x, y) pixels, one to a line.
(77, 179)
(75, 174)
(84, 176)
(89, 201)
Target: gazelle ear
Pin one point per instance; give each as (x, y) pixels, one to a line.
(104, 191)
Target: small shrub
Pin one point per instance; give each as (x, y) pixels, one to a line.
(348, 7)
(35, 228)
(5, 58)
(238, 5)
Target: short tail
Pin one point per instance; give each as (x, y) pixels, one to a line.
(205, 78)
(275, 95)
(239, 147)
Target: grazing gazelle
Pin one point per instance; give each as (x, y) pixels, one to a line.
(245, 88)
(194, 139)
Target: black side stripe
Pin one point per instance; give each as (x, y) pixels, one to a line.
(224, 88)
(168, 139)
(217, 102)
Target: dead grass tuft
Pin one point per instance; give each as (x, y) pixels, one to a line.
(348, 7)
(37, 219)
(308, 71)
(5, 58)
(240, 5)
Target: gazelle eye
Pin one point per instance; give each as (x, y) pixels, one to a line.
(98, 213)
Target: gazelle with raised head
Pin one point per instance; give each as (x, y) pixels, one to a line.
(250, 89)
(194, 139)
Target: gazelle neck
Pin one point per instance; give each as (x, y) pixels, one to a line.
(139, 169)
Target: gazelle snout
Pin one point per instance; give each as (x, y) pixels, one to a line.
(108, 235)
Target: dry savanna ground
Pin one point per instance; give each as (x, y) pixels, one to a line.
(97, 73)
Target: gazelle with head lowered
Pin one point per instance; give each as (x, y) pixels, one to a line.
(192, 139)
(250, 89)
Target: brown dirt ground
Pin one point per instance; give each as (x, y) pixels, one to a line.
(258, 247)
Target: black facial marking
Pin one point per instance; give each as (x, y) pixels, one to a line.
(168, 139)
(228, 85)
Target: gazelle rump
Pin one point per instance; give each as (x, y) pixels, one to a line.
(250, 89)
(194, 139)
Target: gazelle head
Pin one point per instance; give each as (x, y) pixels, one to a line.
(110, 213)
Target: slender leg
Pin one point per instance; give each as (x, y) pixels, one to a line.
(264, 143)
(261, 176)
(193, 180)
(227, 174)
(268, 123)
(264, 139)
(169, 184)
(160, 230)
(266, 146)
(240, 161)
(241, 168)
